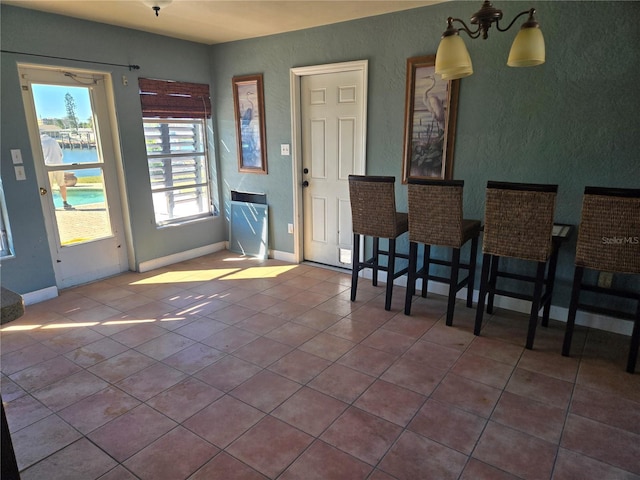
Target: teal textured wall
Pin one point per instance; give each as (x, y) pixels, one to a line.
(572, 121)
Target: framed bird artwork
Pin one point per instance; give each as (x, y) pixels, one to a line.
(430, 121)
(248, 101)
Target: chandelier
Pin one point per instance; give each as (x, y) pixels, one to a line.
(453, 60)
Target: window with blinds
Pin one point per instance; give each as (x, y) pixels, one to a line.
(178, 169)
(175, 116)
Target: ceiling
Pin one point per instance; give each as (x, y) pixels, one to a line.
(219, 21)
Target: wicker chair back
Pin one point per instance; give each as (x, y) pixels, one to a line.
(518, 220)
(609, 233)
(435, 212)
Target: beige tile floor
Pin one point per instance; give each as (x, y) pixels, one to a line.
(228, 368)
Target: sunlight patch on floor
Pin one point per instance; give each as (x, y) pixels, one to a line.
(183, 276)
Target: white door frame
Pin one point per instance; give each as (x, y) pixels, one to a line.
(111, 137)
(295, 75)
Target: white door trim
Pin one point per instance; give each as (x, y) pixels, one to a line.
(109, 137)
(296, 136)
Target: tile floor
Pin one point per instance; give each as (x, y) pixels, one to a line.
(230, 368)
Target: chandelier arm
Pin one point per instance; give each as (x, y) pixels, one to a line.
(465, 28)
(530, 12)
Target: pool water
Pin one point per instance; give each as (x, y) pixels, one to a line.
(80, 196)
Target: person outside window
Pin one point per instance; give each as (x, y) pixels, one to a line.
(53, 156)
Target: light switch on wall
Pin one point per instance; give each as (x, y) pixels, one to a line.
(20, 175)
(284, 149)
(16, 156)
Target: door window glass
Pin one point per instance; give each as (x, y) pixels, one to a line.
(73, 162)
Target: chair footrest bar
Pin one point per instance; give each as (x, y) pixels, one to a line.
(433, 277)
(461, 284)
(606, 311)
(371, 264)
(505, 293)
(616, 292)
(399, 273)
(521, 296)
(447, 263)
(445, 280)
(517, 276)
(404, 256)
(362, 265)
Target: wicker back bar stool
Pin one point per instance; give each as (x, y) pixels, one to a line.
(608, 241)
(518, 223)
(373, 212)
(435, 219)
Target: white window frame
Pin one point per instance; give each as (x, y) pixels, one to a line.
(204, 154)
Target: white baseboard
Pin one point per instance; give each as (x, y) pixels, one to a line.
(40, 295)
(284, 256)
(586, 319)
(181, 257)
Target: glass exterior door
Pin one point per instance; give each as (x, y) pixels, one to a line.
(74, 157)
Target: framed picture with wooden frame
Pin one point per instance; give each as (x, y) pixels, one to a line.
(431, 107)
(248, 101)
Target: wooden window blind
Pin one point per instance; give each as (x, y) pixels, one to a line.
(168, 99)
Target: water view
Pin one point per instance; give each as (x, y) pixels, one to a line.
(80, 156)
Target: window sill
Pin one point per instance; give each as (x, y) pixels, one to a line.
(192, 221)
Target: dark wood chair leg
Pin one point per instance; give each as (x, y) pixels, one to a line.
(355, 265)
(416, 270)
(573, 308)
(635, 343)
(484, 280)
(426, 265)
(551, 278)
(535, 304)
(376, 260)
(472, 271)
(9, 464)
(411, 277)
(391, 270)
(493, 279)
(453, 284)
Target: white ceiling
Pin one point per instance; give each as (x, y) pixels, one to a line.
(218, 21)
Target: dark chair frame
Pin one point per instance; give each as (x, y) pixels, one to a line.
(543, 280)
(592, 255)
(8, 464)
(377, 225)
(461, 232)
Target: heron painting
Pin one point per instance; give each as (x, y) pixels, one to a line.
(248, 99)
(431, 105)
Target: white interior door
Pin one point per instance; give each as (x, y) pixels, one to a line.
(333, 147)
(73, 148)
